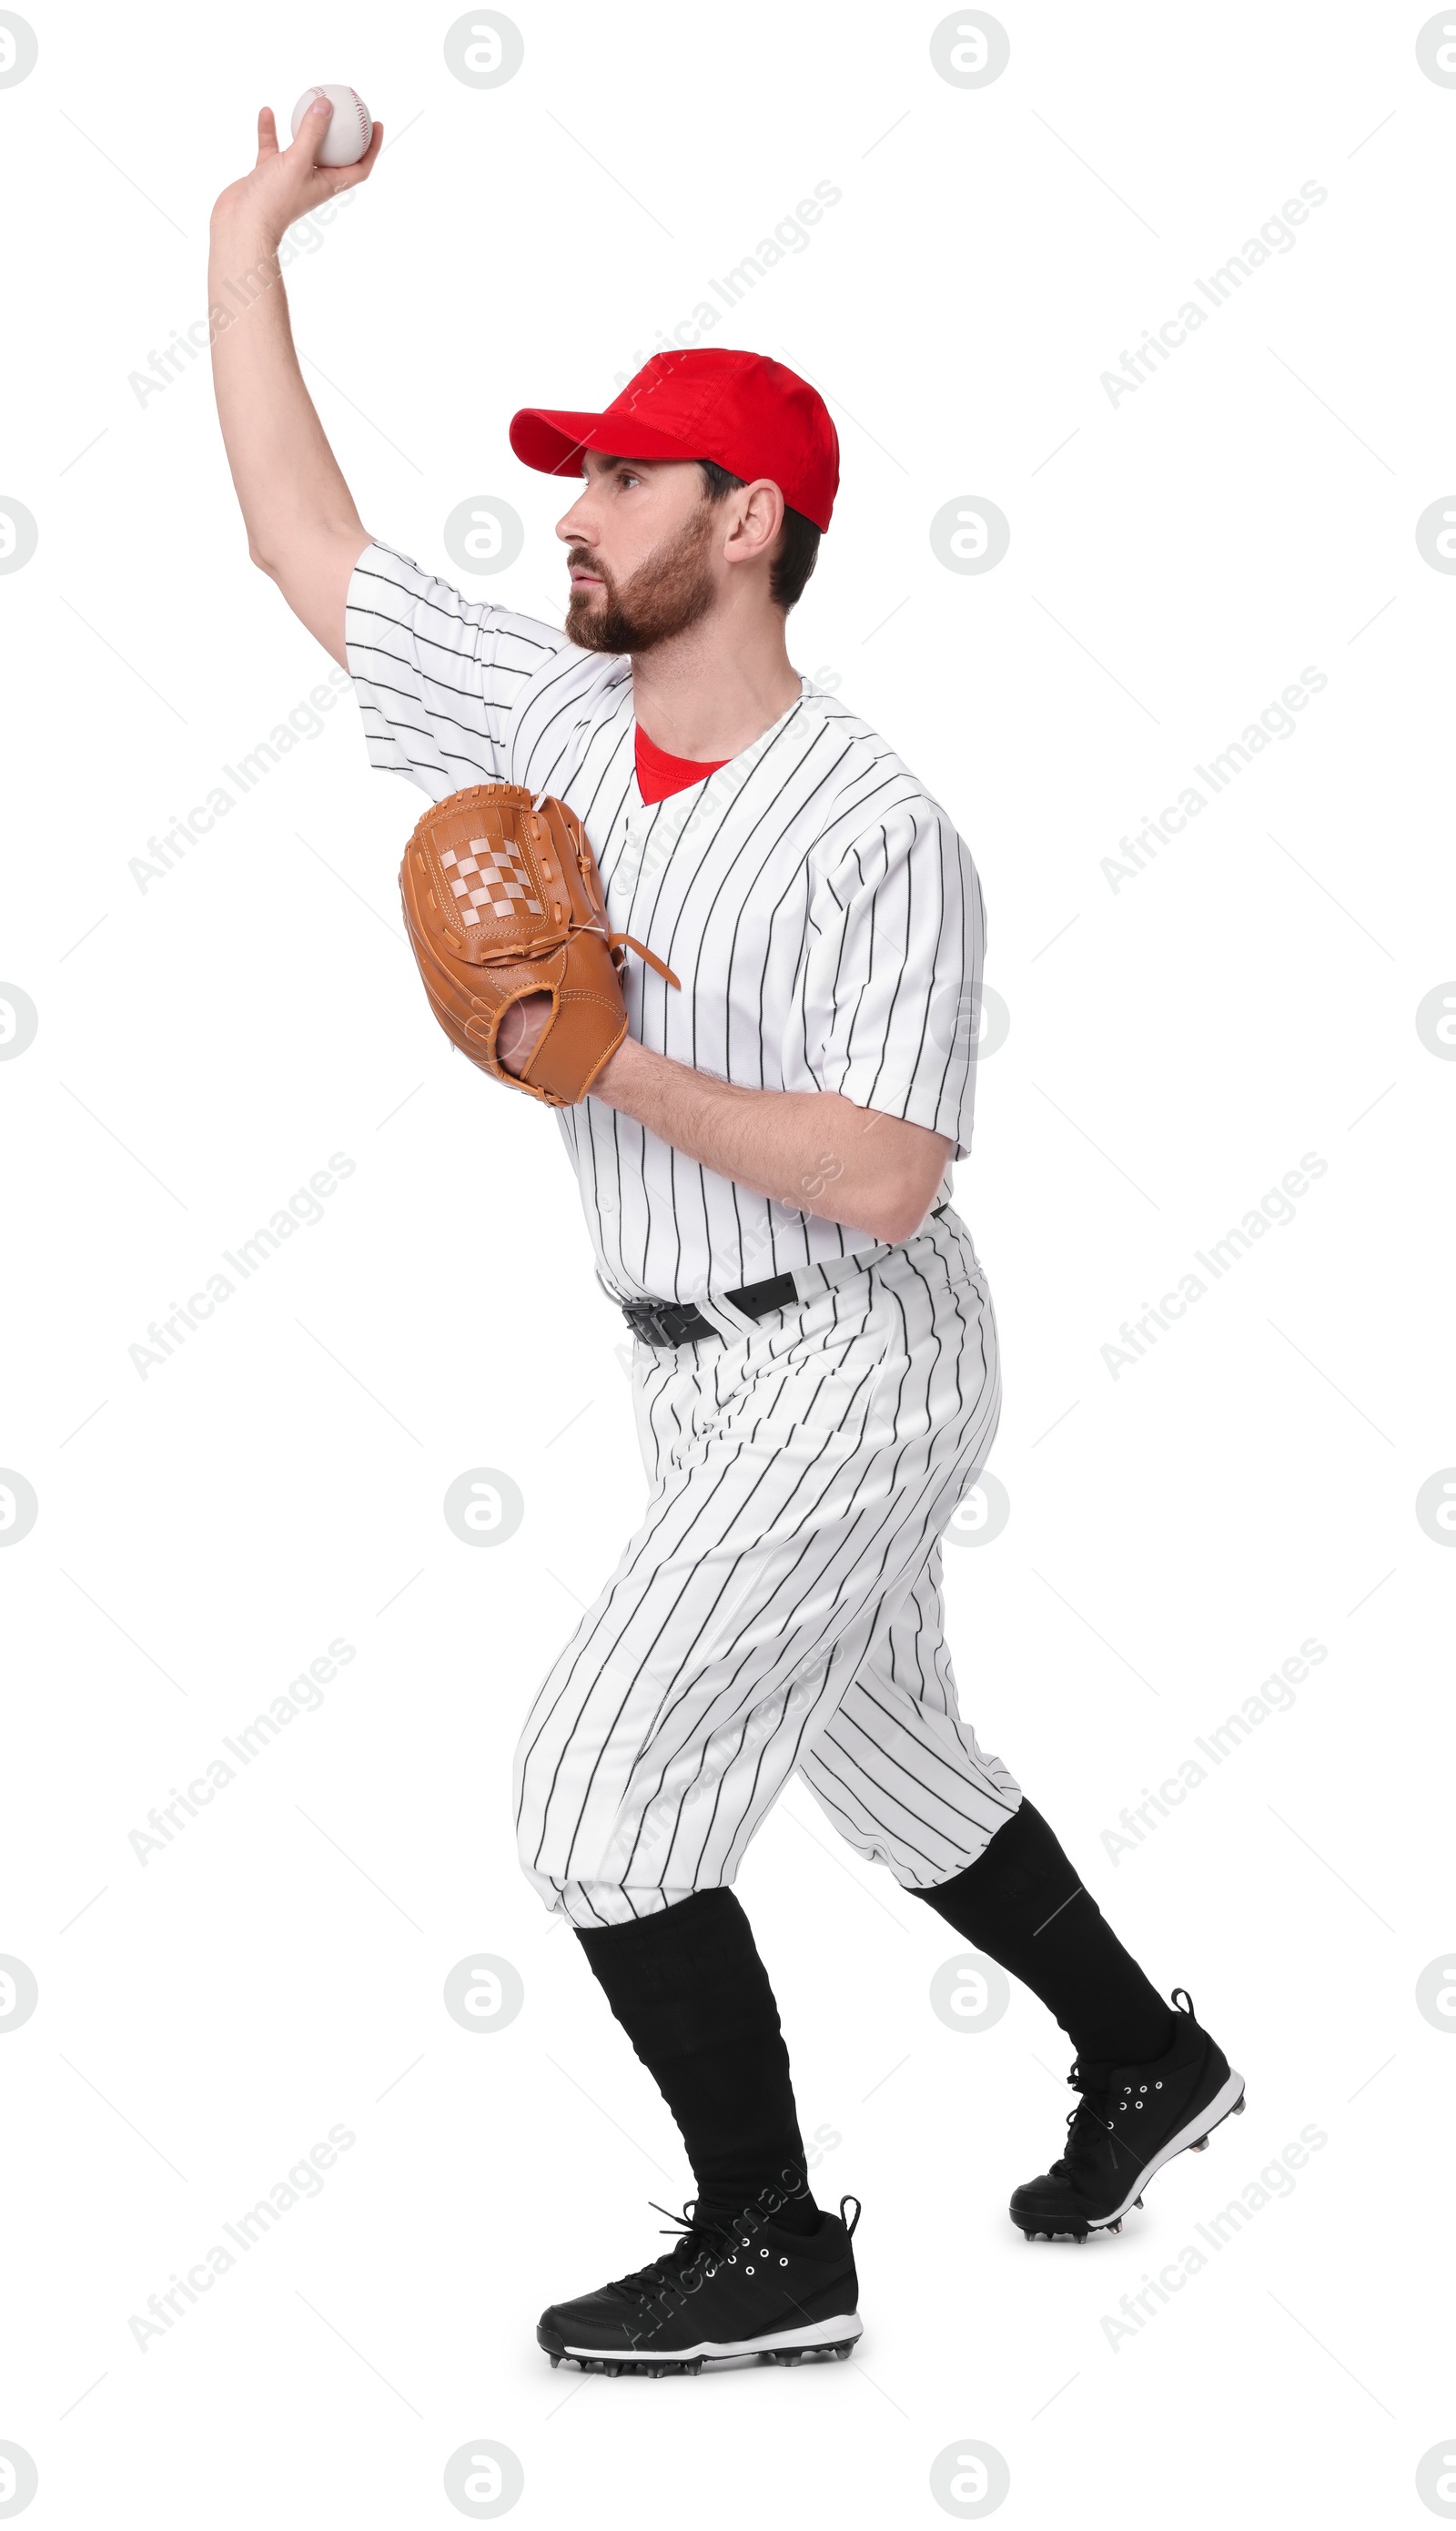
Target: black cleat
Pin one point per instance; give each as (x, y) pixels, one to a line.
(746, 2288)
(1129, 2121)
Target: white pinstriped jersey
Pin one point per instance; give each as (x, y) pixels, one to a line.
(822, 914)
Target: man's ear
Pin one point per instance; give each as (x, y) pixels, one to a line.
(760, 517)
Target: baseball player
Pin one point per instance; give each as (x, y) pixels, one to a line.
(765, 1166)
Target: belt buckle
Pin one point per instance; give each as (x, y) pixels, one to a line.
(646, 1322)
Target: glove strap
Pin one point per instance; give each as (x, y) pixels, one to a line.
(625, 940)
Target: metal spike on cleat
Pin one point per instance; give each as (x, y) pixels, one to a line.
(1200, 2145)
(1237, 2111)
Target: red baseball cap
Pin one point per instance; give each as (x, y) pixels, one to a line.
(740, 408)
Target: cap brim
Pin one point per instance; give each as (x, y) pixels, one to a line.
(553, 442)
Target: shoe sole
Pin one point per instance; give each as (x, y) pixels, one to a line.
(1227, 2102)
(832, 2338)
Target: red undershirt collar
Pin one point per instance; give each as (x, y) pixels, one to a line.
(659, 775)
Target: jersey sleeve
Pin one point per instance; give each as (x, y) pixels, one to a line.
(893, 976)
(437, 675)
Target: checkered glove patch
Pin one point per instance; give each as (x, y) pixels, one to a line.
(502, 898)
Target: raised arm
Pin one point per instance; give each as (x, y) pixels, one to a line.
(302, 528)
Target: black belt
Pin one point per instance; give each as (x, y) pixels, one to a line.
(676, 1322)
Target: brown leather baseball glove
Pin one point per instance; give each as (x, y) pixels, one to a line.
(502, 899)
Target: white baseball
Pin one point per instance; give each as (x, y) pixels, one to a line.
(347, 136)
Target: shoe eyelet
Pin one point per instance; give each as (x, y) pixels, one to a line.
(783, 2263)
(749, 2270)
(1137, 2105)
(1142, 2087)
(1158, 2086)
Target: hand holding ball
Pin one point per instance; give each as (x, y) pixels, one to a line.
(347, 136)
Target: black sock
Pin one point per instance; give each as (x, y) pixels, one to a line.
(694, 1998)
(1022, 1903)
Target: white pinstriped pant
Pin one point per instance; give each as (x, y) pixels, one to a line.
(779, 1605)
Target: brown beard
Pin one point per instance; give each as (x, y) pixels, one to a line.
(667, 592)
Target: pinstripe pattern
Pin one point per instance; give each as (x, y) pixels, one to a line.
(779, 1605)
(823, 916)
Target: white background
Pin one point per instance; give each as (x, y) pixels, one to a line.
(1176, 1044)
